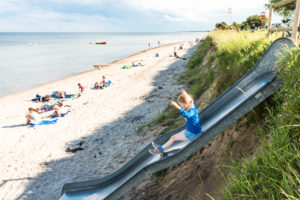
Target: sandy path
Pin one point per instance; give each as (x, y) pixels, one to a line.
(34, 164)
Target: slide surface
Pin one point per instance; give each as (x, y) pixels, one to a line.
(234, 103)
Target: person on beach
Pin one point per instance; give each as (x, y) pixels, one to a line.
(59, 110)
(97, 86)
(253, 27)
(38, 98)
(32, 117)
(58, 94)
(189, 110)
(105, 83)
(175, 52)
(81, 88)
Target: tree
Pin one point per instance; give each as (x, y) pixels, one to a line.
(236, 25)
(222, 25)
(256, 20)
(285, 11)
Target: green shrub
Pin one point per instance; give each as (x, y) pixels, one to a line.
(274, 173)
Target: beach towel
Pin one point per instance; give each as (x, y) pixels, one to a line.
(182, 58)
(127, 67)
(44, 122)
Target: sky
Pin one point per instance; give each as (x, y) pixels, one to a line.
(123, 15)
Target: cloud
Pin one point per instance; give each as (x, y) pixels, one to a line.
(86, 2)
(169, 18)
(122, 15)
(197, 10)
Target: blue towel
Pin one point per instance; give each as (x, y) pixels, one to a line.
(69, 95)
(44, 122)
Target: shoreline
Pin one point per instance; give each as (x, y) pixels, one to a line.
(88, 71)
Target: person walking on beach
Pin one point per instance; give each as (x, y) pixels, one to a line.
(81, 88)
(189, 110)
(149, 44)
(158, 42)
(175, 52)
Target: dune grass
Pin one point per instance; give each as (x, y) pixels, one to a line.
(273, 171)
(236, 54)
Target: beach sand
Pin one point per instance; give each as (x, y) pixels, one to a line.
(102, 125)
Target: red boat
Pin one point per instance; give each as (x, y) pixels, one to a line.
(100, 42)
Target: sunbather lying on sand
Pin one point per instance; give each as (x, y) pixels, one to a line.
(32, 117)
(47, 107)
(39, 98)
(59, 110)
(58, 94)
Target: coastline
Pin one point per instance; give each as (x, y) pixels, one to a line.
(102, 126)
(91, 70)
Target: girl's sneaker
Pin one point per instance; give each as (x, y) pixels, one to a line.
(155, 146)
(155, 151)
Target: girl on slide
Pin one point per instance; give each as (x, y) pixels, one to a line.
(189, 110)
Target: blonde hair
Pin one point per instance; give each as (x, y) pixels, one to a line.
(186, 99)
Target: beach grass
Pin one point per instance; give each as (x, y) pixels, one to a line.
(236, 53)
(274, 170)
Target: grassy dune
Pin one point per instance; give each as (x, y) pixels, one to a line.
(272, 172)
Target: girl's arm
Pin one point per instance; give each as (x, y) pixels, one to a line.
(187, 114)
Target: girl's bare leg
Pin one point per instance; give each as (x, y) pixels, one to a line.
(177, 137)
(28, 119)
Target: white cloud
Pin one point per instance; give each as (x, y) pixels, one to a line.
(80, 1)
(135, 15)
(198, 10)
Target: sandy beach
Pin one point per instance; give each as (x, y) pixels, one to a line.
(102, 125)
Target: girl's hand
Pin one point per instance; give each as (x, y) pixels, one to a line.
(173, 103)
(182, 91)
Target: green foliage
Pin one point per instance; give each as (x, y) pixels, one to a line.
(222, 26)
(236, 54)
(285, 11)
(200, 82)
(255, 19)
(199, 54)
(274, 172)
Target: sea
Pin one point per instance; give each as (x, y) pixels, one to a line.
(31, 59)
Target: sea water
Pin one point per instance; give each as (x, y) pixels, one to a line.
(31, 59)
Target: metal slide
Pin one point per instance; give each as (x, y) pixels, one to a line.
(226, 109)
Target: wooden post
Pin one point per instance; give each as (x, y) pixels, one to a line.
(296, 22)
(270, 19)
